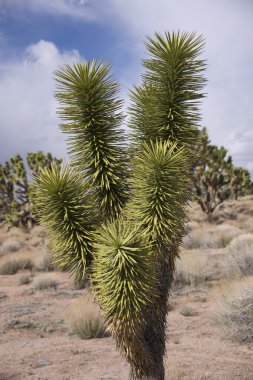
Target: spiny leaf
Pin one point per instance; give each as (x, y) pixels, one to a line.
(66, 208)
(159, 197)
(123, 272)
(166, 104)
(87, 94)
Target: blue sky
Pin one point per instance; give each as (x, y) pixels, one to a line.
(36, 36)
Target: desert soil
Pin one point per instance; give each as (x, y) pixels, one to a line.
(36, 342)
(42, 348)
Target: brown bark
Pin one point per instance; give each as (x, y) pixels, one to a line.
(154, 332)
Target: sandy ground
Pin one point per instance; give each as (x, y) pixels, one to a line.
(35, 342)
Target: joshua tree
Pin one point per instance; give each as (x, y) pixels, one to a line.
(15, 205)
(117, 214)
(240, 181)
(38, 160)
(14, 191)
(215, 177)
(212, 175)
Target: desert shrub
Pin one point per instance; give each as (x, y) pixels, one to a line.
(234, 313)
(241, 243)
(85, 320)
(35, 242)
(241, 252)
(191, 270)
(9, 245)
(81, 284)
(46, 281)
(195, 238)
(12, 266)
(215, 237)
(24, 280)
(220, 236)
(38, 231)
(45, 264)
(188, 311)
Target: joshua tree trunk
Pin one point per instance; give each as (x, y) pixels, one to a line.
(155, 331)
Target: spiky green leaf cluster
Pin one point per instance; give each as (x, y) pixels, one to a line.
(68, 211)
(160, 191)
(166, 104)
(123, 272)
(87, 94)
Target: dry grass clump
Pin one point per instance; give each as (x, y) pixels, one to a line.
(234, 312)
(24, 280)
(195, 239)
(38, 231)
(84, 319)
(188, 311)
(13, 265)
(241, 243)
(215, 237)
(46, 281)
(220, 236)
(241, 254)
(9, 245)
(45, 264)
(192, 269)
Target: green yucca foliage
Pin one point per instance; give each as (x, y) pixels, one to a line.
(67, 209)
(124, 283)
(159, 196)
(126, 217)
(90, 108)
(165, 105)
(123, 272)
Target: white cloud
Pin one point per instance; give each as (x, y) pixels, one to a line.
(73, 8)
(28, 107)
(228, 29)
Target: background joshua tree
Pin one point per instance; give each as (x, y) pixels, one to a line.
(216, 178)
(15, 203)
(117, 214)
(240, 182)
(212, 175)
